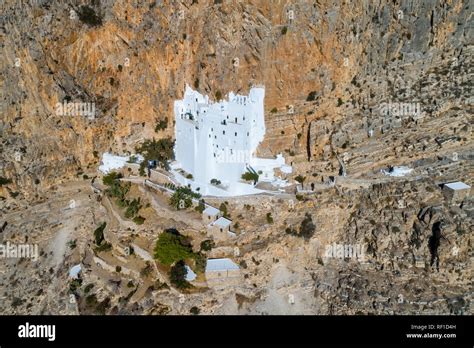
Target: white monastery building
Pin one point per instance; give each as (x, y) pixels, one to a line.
(219, 140)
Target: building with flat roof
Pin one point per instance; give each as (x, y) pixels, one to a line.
(220, 229)
(456, 192)
(221, 269)
(211, 214)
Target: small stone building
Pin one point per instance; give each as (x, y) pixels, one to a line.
(220, 229)
(211, 214)
(456, 192)
(221, 269)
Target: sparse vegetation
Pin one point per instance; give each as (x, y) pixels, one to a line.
(195, 310)
(139, 220)
(72, 244)
(5, 181)
(200, 207)
(180, 200)
(215, 182)
(132, 159)
(207, 245)
(119, 190)
(250, 176)
(161, 125)
(171, 247)
(88, 16)
(133, 207)
(111, 178)
(223, 209)
(311, 96)
(269, 218)
(159, 150)
(147, 270)
(178, 274)
(301, 180)
(99, 234)
(307, 228)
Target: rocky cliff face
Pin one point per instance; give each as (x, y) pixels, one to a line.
(349, 85)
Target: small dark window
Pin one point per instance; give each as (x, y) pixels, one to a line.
(235, 133)
(221, 229)
(236, 120)
(223, 132)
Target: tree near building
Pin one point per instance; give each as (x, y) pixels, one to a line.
(171, 247)
(178, 274)
(301, 180)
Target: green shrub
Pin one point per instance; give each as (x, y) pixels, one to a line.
(133, 207)
(72, 244)
(207, 245)
(201, 261)
(178, 274)
(215, 182)
(300, 179)
(171, 247)
(147, 270)
(250, 176)
(139, 220)
(180, 200)
(88, 288)
(223, 209)
(111, 178)
(195, 310)
(311, 96)
(161, 150)
(132, 159)
(104, 247)
(99, 234)
(162, 125)
(269, 218)
(307, 227)
(88, 16)
(200, 207)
